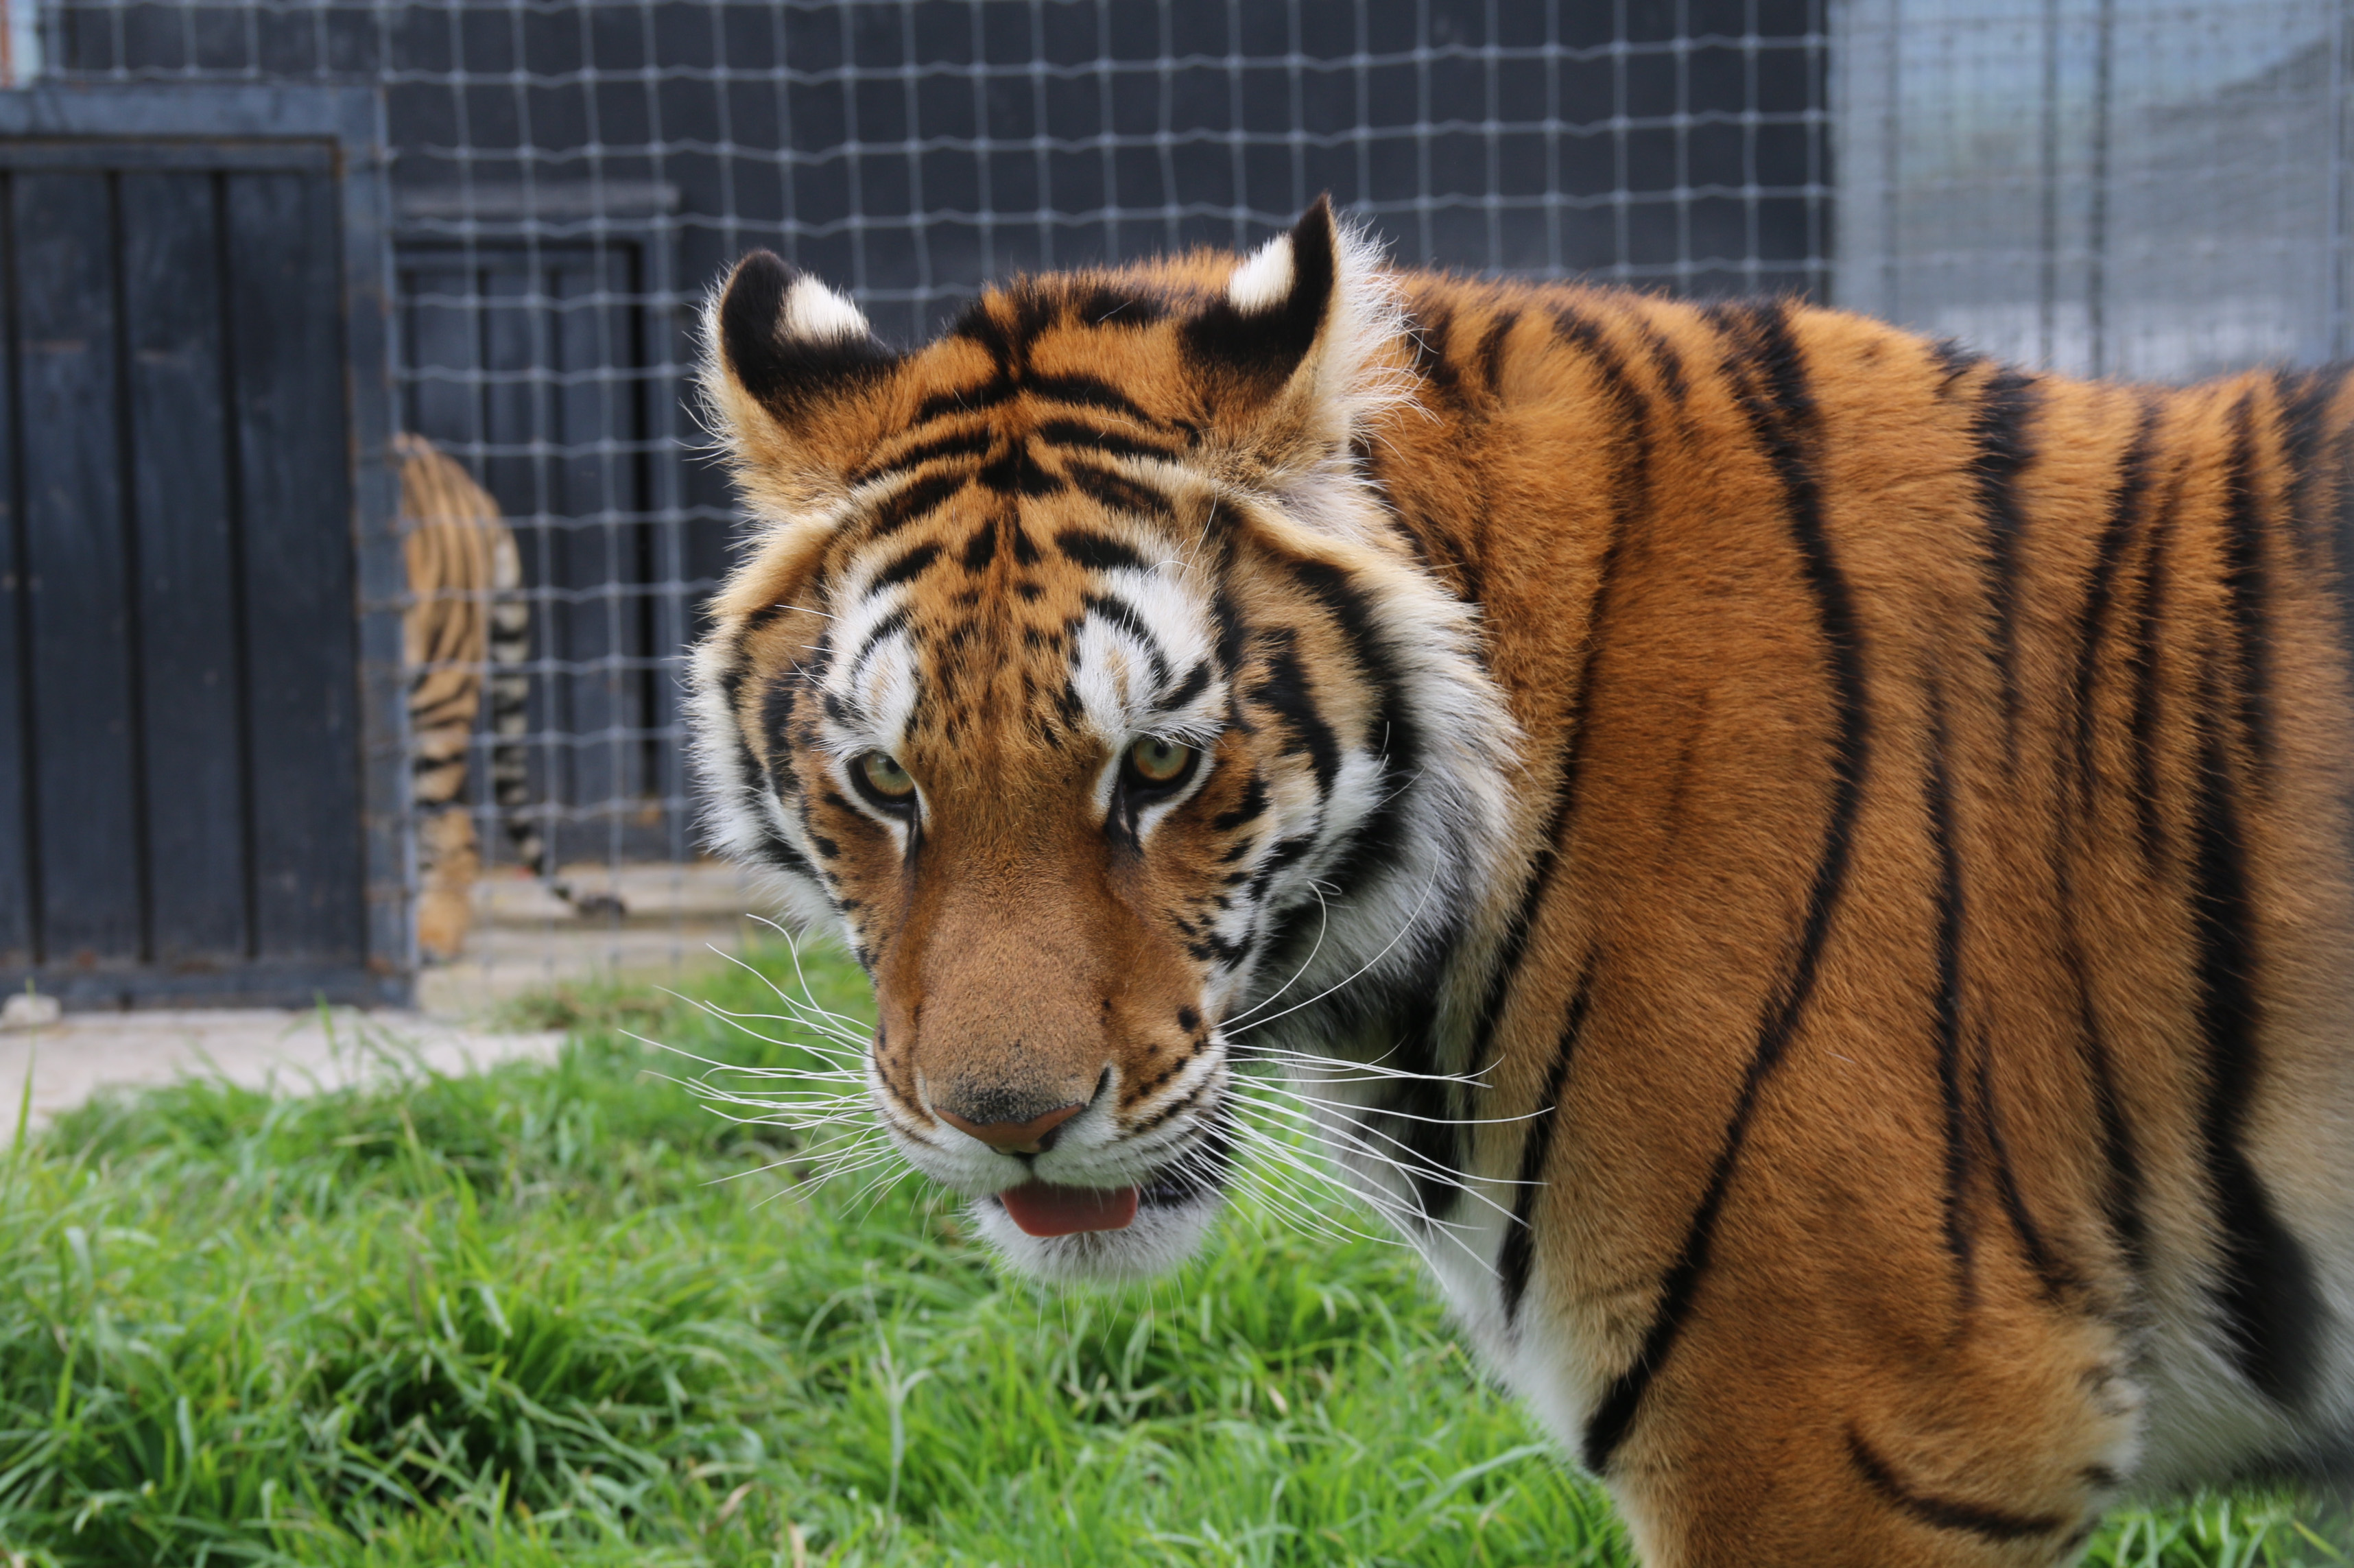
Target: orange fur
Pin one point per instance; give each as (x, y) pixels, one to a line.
(1900, 963)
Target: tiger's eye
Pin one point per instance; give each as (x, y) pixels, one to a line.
(1159, 761)
(885, 776)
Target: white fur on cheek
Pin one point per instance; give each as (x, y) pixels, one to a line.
(814, 311)
(1264, 280)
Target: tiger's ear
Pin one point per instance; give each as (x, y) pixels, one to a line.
(1296, 353)
(786, 363)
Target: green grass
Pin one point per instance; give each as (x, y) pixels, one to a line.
(543, 1316)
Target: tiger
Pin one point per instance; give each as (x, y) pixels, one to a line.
(465, 630)
(1807, 868)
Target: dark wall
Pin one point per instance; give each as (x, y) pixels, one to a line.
(566, 173)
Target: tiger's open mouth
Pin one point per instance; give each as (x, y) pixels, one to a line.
(1043, 1208)
(1110, 1235)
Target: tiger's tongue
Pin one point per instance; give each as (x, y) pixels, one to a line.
(1044, 1209)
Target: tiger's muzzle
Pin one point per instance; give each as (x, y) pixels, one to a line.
(1041, 1051)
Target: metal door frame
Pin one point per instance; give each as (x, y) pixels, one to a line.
(60, 125)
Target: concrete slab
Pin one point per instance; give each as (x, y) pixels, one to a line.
(671, 920)
(525, 939)
(261, 1048)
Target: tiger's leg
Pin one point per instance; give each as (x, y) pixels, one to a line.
(448, 862)
(1998, 1450)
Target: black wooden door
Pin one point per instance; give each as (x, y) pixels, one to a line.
(184, 790)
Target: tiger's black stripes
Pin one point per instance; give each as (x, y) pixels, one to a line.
(1118, 612)
(2303, 405)
(906, 568)
(1630, 484)
(2267, 1293)
(1244, 810)
(1432, 362)
(1768, 379)
(891, 625)
(2246, 581)
(1094, 437)
(1101, 552)
(1947, 1003)
(1103, 305)
(2077, 808)
(1954, 362)
(1284, 691)
(2147, 662)
(1196, 681)
(905, 506)
(2054, 1276)
(1430, 1133)
(1082, 391)
(2121, 1196)
(1118, 492)
(777, 708)
(2125, 516)
(1395, 737)
(2001, 450)
(1018, 474)
(1945, 1513)
(980, 549)
(1341, 599)
(2122, 1200)
(993, 393)
(1088, 392)
(1519, 1253)
(1666, 362)
(1491, 349)
(961, 443)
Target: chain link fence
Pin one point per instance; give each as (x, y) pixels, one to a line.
(2152, 188)
(569, 174)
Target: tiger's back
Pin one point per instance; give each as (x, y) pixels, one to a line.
(1881, 1081)
(1939, 896)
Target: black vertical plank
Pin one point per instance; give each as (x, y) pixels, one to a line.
(186, 597)
(84, 703)
(286, 347)
(16, 867)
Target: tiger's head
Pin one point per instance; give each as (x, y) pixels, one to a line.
(1076, 676)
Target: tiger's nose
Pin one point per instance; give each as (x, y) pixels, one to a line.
(1033, 1137)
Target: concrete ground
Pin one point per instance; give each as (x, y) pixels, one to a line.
(524, 939)
(261, 1048)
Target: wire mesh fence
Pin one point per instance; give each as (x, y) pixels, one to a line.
(2148, 188)
(2099, 184)
(569, 175)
